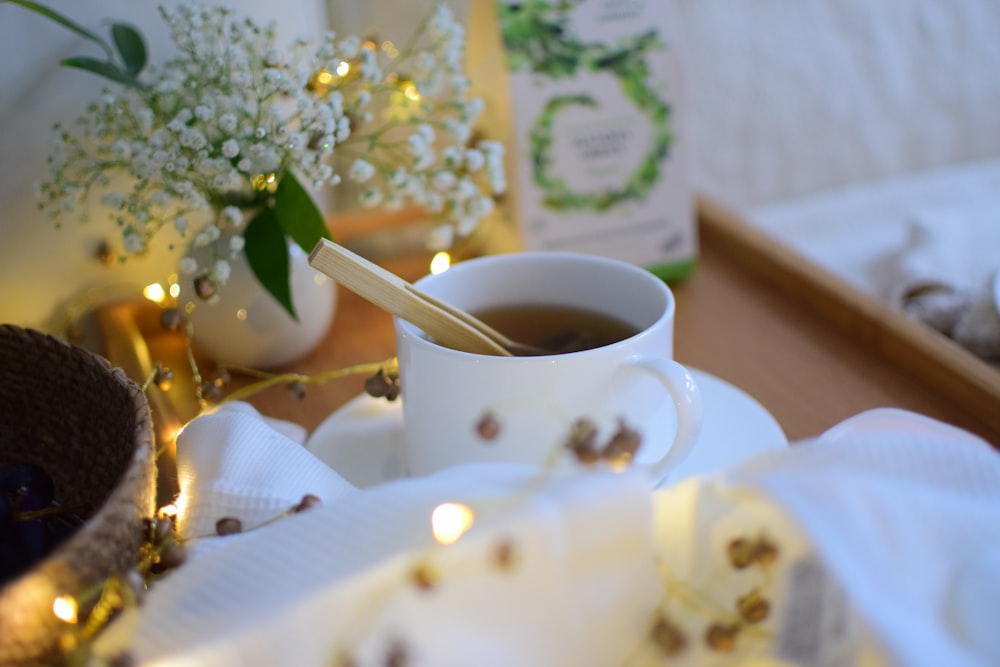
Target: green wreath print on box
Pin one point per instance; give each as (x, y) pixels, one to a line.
(536, 39)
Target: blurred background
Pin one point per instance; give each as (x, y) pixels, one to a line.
(832, 124)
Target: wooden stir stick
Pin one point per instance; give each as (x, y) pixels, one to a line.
(446, 324)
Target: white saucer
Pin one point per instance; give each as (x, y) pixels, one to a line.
(363, 440)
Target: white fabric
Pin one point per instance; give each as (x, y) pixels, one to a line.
(884, 526)
(854, 232)
(928, 244)
(944, 274)
(236, 463)
(899, 507)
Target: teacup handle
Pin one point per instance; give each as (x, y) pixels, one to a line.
(686, 396)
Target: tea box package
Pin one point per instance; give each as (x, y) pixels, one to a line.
(588, 97)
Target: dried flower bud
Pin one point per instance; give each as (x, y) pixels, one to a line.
(308, 502)
(753, 607)
(396, 655)
(297, 390)
(163, 528)
(488, 427)
(209, 393)
(424, 577)
(722, 637)
(383, 385)
(221, 377)
(667, 636)
(228, 525)
(104, 253)
(122, 660)
(744, 552)
(171, 319)
(343, 660)
(741, 552)
(622, 446)
(767, 552)
(163, 378)
(503, 554)
(205, 287)
(582, 441)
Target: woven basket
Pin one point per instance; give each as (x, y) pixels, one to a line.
(89, 426)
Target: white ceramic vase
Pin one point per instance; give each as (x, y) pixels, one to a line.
(243, 325)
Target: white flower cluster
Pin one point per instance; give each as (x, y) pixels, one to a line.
(219, 125)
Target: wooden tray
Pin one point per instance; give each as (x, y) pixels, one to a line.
(814, 349)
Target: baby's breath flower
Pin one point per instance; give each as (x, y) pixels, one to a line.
(231, 216)
(371, 197)
(361, 170)
(434, 202)
(474, 159)
(349, 47)
(133, 243)
(481, 207)
(231, 107)
(228, 122)
(188, 266)
(466, 225)
(208, 235)
(222, 271)
(343, 129)
(230, 148)
(114, 200)
(444, 180)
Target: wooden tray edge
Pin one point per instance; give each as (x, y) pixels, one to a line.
(920, 351)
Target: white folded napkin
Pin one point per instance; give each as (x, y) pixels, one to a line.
(944, 273)
(884, 535)
(234, 462)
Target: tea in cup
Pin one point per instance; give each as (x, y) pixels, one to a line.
(606, 329)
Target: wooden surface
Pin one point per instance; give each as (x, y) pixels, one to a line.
(754, 315)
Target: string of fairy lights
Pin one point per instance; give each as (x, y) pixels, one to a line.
(85, 614)
(725, 626)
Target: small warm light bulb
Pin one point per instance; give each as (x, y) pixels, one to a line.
(241, 314)
(343, 68)
(65, 608)
(170, 437)
(449, 521)
(265, 182)
(154, 292)
(175, 290)
(411, 92)
(324, 78)
(440, 262)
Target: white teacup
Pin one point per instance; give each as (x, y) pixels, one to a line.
(535, 400)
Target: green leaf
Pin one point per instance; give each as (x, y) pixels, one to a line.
(266, 250)
(297, 213)
(63, 21)
(102, 68)
(130, 46)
